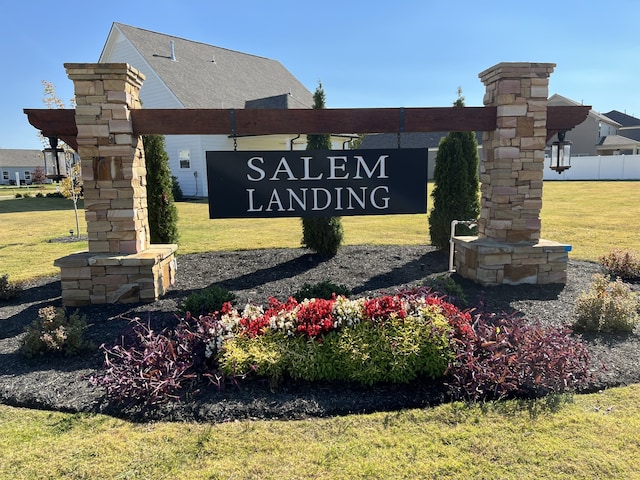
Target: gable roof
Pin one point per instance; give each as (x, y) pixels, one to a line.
(623, 119)
(556, 99)
(206, 76)
(618, 141)
(19, 158)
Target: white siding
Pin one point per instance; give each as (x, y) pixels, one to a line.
(193, 180)
(154, 93)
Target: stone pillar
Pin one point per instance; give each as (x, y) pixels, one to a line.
(508, 248)
(513, 155)
(113, 164)
(121, 265)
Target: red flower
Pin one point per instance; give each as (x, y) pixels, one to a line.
(381, 308)
(315, 317)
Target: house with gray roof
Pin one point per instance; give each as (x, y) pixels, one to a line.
(630, 125)
(182, 73)
(17, 165)
(587, 136)
(428, 140)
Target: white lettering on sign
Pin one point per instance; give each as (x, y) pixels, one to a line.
(291, 183)
(337, 169)
(361, 163)
(251, 163)
(334, 166)
(319, 199)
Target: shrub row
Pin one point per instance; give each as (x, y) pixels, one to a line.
(384, 339)
(413, 336)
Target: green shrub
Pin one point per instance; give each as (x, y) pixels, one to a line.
(456, 185)
(8, 290)
(622, 263)
(178, 195)
(55, 195)
(27, 195)
(607, 306)
(54, 332)
(18, 195)
(323, 235)
(324, 289)
(446, 285)
(207, 300)
(40, 195)
(397, 351)
(162, 211)
(264, 355)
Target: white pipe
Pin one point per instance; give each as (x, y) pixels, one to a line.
(471, 223)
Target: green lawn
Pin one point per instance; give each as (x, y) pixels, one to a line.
(592, 436)
(591, 216)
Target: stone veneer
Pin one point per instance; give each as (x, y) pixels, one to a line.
(508, 248)
(121, 264)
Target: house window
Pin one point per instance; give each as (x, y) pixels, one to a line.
(5, 175)
(27, 176)
(185, 158)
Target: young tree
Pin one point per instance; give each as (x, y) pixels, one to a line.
(324, 235)
(71, 186)
(38, 175)
(455, 194)
(163, 214)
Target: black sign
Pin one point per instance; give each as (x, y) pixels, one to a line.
(316, 183)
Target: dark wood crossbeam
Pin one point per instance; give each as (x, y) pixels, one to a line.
(61, 123)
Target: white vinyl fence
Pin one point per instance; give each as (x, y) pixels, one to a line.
(608, 167)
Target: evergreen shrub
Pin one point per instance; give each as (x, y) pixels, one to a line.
(178, 195)
(8, 290)
(456, 185)
(206, 301)
(163, 214)
(323, 235)
(325, 289)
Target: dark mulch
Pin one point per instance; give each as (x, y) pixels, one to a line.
(60, 383)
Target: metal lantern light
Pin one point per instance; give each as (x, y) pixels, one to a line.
(55, 161)
(561, 154)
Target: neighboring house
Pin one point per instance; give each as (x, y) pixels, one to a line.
(587, 136)
(20, 164)
(186, 74)
(630, 125)
(618, 145)
(428, 140)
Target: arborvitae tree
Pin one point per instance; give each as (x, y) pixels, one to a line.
(163, 214)
(455, 195)
(322, 234)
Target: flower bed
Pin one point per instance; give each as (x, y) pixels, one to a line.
(413, 336)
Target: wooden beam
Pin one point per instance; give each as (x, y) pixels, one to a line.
(293, 121)
(61, 123)
(565, 117)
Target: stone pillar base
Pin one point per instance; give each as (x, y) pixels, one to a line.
(90, 278)
(489, 262)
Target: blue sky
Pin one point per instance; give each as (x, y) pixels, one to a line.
(398, 54)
